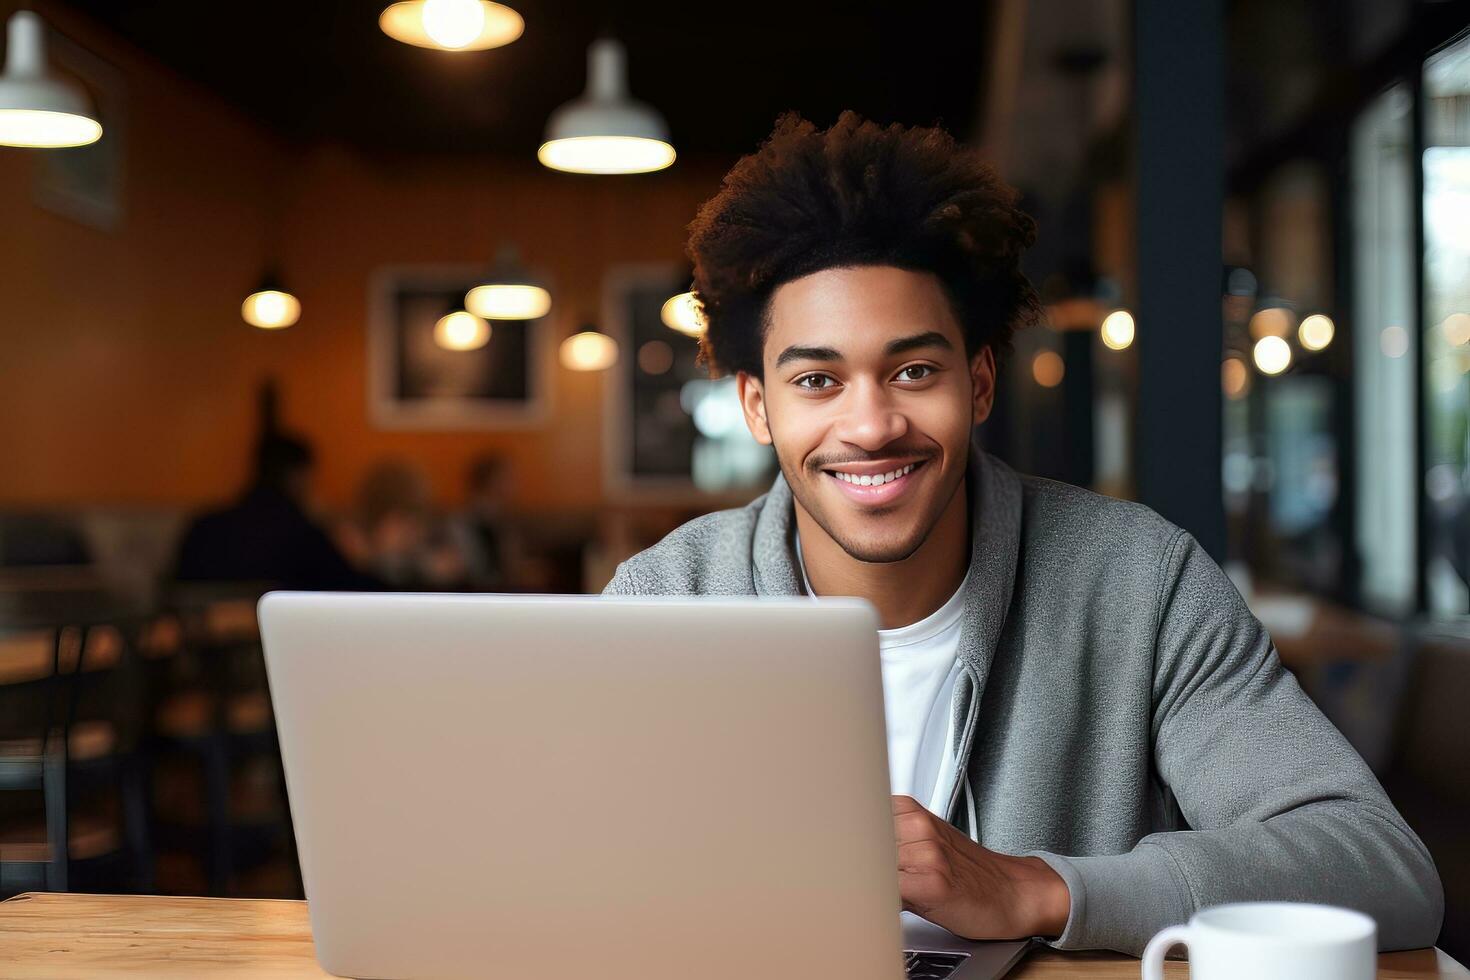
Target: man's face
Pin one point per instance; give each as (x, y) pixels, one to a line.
(869, 399)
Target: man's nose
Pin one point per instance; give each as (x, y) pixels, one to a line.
(870, 418)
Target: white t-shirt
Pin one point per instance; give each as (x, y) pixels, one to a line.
(920, 667)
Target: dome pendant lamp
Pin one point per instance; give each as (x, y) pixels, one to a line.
(605, 131)
(271, 307)
(588, 350)
(510, 293)
(36, 108)
(452, 25)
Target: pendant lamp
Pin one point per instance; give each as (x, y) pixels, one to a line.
(271, 307)
(605, 131)
(452, 25)
(38, 109)
(509, 293)
(589, 350)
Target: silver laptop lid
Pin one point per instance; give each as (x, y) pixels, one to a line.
(566, 787)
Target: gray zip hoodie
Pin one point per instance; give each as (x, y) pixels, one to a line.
(1121, 715)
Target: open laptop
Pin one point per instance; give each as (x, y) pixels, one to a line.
(511, 786)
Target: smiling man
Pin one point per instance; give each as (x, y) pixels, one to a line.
(1089, 735)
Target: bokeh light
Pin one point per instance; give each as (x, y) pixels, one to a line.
(1272, 355)
(1118, 330)
(1048, 369)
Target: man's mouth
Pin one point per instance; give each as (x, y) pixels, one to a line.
(874, 483)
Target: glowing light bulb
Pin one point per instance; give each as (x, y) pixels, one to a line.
(453, 23)
(1118, 330)
(589, 351)
(461, 331)
(271, 309)
(682, 313)
(1272, 355)
(508, 301)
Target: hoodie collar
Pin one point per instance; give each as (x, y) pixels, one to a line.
(995, 535)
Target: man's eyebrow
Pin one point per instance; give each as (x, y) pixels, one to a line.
(796, 353)
(932, 338)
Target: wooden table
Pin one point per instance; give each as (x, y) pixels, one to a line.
(57, 935)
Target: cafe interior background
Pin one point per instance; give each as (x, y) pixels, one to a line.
(334, 263)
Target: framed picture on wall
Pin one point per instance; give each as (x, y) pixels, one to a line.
(416, 383)
(671, 433)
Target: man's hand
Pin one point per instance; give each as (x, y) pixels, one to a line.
(969, 890)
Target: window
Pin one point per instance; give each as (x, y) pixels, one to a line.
(1384, 345)
(1447, 329)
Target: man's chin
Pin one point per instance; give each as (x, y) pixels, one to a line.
(879, 552)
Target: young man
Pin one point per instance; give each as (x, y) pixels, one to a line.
(1090, 736)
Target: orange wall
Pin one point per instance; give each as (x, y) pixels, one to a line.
(128, 377)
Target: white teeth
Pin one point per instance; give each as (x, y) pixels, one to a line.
(875, 480)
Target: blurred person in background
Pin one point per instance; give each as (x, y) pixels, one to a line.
(395, 535)
(1090, 736)
(485, 532)
(268, 536)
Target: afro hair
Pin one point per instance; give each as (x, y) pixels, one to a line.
(858, 194)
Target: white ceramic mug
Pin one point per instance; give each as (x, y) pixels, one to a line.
(1271, 941)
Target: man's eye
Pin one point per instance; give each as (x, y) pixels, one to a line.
(915, 372)
(814, 382)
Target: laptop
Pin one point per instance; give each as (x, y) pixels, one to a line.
(549, 786)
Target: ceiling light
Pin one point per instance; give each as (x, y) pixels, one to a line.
(509, 293)
(590, 350)
(271, 307)
(452, 25)
(36, 108)
(508, 301)
(683, 313)
(461, 331)
(605, 131)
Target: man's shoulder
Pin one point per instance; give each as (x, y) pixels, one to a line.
(710, 555)
(1079, 522)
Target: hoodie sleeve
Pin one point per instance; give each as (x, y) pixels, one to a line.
(1280, 806)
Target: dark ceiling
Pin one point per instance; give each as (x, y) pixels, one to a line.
(320, 70)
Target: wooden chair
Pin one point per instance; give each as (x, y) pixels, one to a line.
(72, 803)
(213, 708)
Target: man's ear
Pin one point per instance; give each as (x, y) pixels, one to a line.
(982, 384)
(753, 403)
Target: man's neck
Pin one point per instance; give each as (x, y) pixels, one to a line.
(905, 591)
